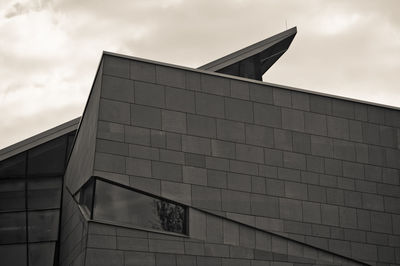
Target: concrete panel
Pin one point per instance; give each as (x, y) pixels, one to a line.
(235, 201)
(320, 104)
(137, 135)
(293, 119)
(201, 126)
(116, 66)
(249, 153)
(142, 71)
(206, 197)
(173, 121)
(144, 116)
(283, 139)
(260, 136)
(223, 149)
(117, 89)
(282, 97)
(315, 124)
(149, 94)
(210, 105)
(239, 182)
(262, 94)
(230, 130)
(196, 145)
(194, 175)
(290, 209)
(300, 101)
(180, 100)
(239, 110)
(215, 85)
(170, 76)
(267, 115)
(240, 89)
(176, 191)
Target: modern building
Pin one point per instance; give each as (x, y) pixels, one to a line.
(170, 165)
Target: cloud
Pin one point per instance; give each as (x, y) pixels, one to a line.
(20, 8)
(50, 49)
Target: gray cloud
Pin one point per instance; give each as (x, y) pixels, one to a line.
(20, 8)
(50, 51)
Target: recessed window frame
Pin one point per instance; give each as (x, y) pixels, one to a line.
(90, 213)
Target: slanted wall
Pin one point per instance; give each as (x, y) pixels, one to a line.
(80, 165)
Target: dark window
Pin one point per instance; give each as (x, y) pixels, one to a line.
(48, 158)
(86, 196)
(12, 195)
(118, 204)
(41, 254)
(13, 167)
(14, 255)
(43, 225)
(12, 227)
(44, 193)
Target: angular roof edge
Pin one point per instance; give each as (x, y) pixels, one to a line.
(248, 51)
(40, 138)
(251, 80)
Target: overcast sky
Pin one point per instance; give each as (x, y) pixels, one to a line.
(50, 49)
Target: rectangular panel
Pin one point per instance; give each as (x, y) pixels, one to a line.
(41, 254)
(12, 227)
(44, 193)
(14, 255)
(12, 194)
(43, 225)
(122, 205)
(48, 158)
(13, 167)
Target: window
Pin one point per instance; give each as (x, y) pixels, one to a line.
(44, 192)
(12, 227)
(12, 195)
(48, 158)
(43, 225)
(86, 197)
(122, 205)
(13, 167)
(41, 254)
(14, 255)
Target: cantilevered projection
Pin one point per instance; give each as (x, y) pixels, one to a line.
(253, 61)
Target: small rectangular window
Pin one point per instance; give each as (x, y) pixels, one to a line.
(86, 196)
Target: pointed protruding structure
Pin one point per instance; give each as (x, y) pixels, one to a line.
(253, 61)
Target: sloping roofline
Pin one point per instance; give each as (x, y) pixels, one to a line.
(283, 39)
(39, 138)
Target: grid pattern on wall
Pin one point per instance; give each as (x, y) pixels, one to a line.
(30, 198)
(320, 170)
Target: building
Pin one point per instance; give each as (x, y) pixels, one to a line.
(170, 165)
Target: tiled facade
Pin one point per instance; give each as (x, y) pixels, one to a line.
(309, 171)
(270, 175)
